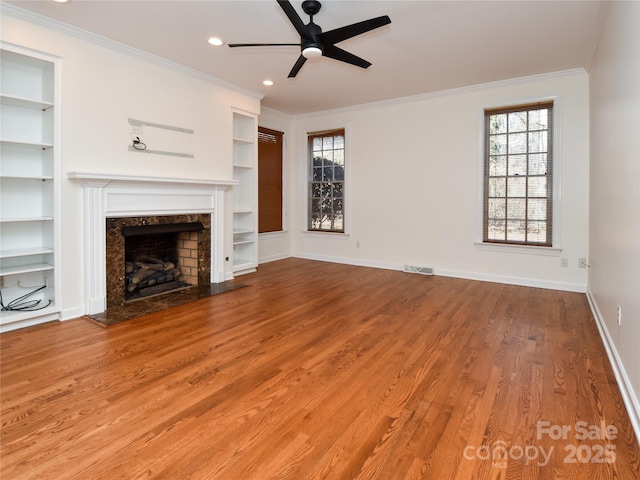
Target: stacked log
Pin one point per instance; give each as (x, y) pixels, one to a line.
(147, 271)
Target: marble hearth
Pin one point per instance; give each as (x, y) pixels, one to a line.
(108, 196)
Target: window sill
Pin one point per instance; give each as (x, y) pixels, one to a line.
(332, 235)
(279, 233)
(526, 249)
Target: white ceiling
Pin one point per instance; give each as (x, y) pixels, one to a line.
(429, 46)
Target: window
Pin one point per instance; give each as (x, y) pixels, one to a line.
(326, 181)
(518, 175)
(269, 180)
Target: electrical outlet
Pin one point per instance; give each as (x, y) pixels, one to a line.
(619, 315)
(358, 244)
(564, 262)
(136, 130)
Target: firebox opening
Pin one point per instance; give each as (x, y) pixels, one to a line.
(160, 258)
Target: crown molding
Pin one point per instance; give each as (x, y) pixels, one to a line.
(442, 93)
(19, 13)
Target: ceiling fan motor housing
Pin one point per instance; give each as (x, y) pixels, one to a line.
(313, 42)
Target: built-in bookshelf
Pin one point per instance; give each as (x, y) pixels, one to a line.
(245, 194)
(29, 230)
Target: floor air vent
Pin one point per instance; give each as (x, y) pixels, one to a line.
(421, 270)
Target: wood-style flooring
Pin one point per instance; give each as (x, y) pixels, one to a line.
(321, 371)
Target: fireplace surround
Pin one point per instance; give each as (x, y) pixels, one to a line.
(183, 240)
(108, 196)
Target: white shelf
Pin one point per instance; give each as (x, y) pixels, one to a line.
(17, 143)
(26, 177)
(22, 102)
(25, 252)
(242, 264)
(50, 312)
(243, 242)
(28, 268)
(25, 219)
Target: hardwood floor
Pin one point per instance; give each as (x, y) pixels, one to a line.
(322, 371)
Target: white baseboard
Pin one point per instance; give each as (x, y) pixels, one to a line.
(348, 261)
(273, 258)
(522, 281)
(71, 313)
(626, 389)
(483, 277)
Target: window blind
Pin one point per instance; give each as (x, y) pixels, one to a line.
(269, 180)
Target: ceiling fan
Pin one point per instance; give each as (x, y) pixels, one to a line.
(315, 43)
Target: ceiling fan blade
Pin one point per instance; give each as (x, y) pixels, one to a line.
(336, 53)
(296, 68)
(264, 45)
(294, 18)
(343, 33)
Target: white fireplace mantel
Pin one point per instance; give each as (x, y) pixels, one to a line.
(108, 196)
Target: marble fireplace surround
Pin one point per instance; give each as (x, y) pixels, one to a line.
(116, 251)
(112, 196)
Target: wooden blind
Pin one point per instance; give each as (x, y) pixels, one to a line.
(269, 180)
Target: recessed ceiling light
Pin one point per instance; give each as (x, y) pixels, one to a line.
(215, 41)
(61, 1)
(268, 83)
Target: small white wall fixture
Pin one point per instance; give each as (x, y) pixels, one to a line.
(109, 196)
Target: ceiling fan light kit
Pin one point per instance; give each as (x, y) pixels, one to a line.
(311, 52)
(314, 43)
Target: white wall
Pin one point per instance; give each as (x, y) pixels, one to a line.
(414, 194)
(101, 89)
(277, 245)
(614, 233)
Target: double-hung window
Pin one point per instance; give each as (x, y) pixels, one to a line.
(326, 181)
(518, 175)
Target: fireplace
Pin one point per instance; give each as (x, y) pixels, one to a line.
(152, 255)
(160, 258)
(112, 202)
